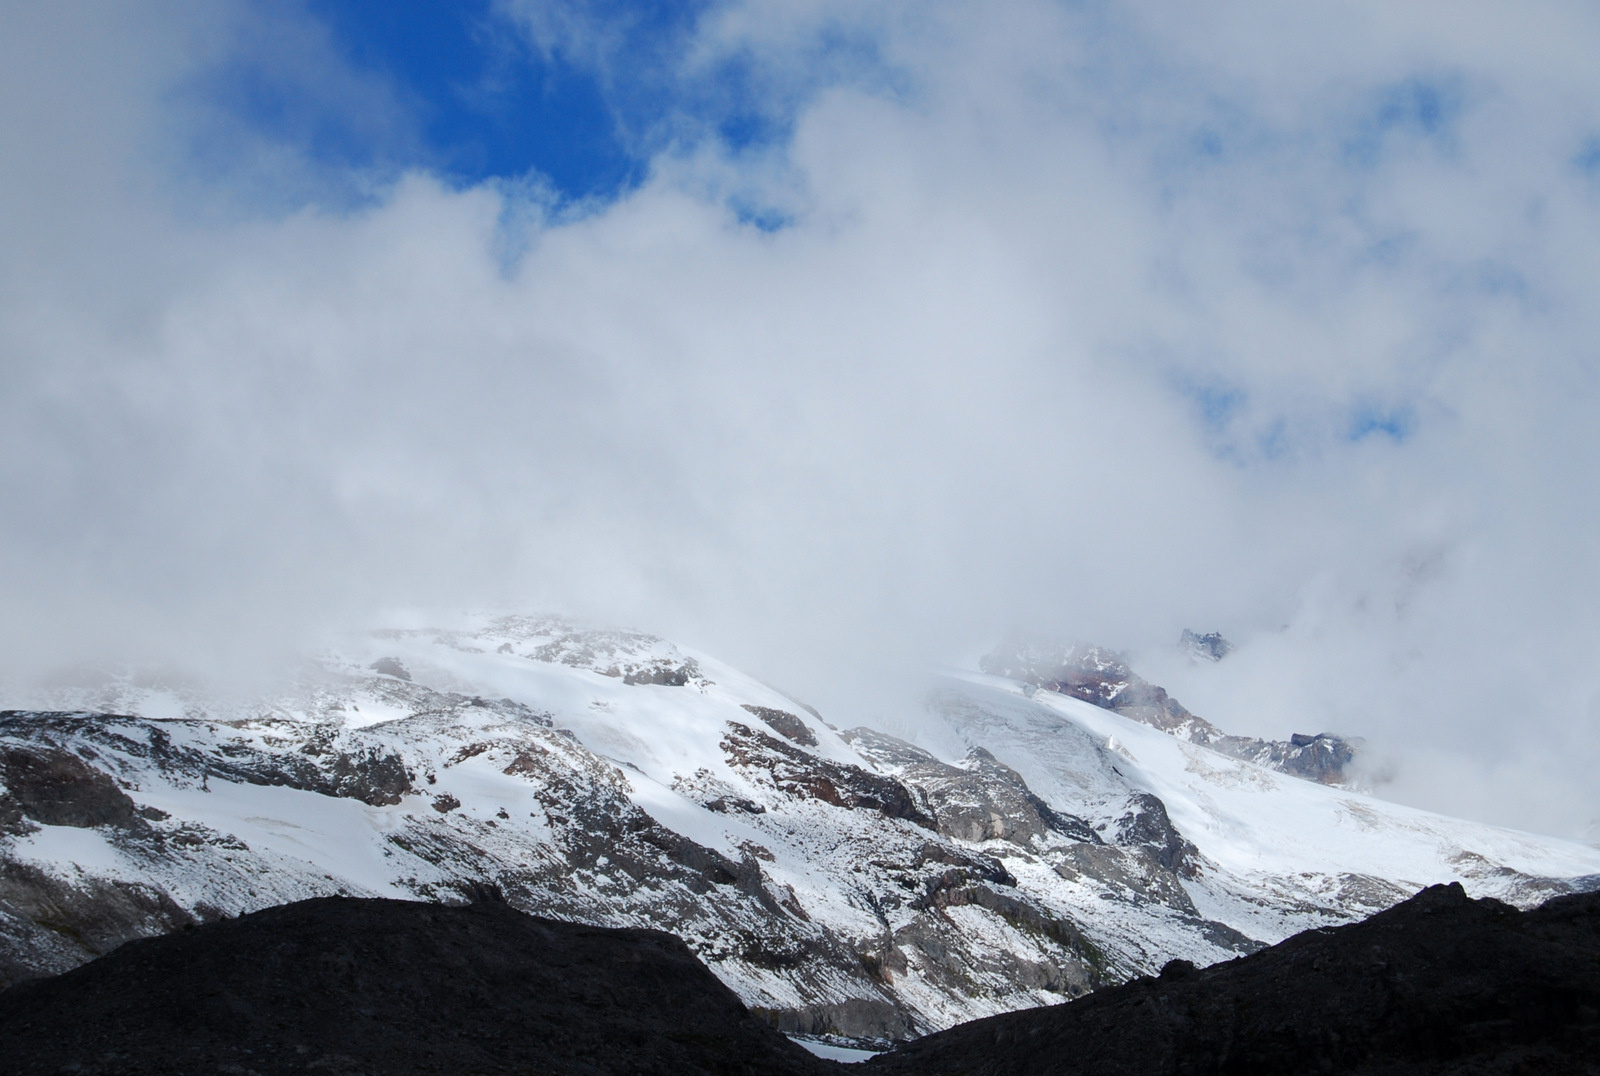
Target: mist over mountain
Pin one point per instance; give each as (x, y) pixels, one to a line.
(833, 341)
(942, 508)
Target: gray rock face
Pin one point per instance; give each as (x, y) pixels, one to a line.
(630, 656)
(49, 923)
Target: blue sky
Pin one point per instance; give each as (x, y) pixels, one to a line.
(478, 99)
(483, 93)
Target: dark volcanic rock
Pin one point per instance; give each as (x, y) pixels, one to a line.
(1322, 757)
(1438, 984)
(1090, 673)
(377, 986)
(390, 667)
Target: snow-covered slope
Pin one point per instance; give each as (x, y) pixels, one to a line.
(1277, 853)
(842, 882)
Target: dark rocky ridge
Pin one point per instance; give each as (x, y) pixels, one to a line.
(1438, 984)
(349, 986)
(1099, 676)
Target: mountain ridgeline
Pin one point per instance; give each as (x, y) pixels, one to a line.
(1019, 848)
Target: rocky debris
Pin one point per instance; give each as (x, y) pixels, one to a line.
(587, 853)
(329, 761)
(354, 986)
(1090, 673)
(1101, 677)
(1322, 757)
(981, 799)
(1208, 647)
(1437, 984)
(855, 886)
(724, 804)
(1135, 874)
(1515, 887)
(1064, 963)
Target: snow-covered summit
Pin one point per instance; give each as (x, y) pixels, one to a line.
(1027, 848)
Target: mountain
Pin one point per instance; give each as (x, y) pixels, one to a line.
(1028, 848)
(393, 987)
(1210, 647)
(1099, 676)
(1438, 984)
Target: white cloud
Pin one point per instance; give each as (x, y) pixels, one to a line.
(966, 389)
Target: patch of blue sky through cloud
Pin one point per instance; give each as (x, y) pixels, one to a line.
(469, 94)
(484, 103)
(579, 97)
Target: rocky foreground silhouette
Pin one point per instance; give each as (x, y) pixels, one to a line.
(1438, 984)
(344, 986)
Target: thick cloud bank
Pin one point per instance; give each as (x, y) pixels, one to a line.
(1098, 320)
